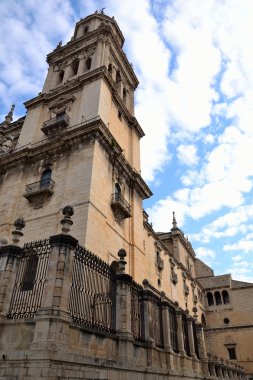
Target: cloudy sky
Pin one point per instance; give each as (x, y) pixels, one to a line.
(194, 61)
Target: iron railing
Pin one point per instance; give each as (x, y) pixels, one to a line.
(93, 292)
(137, 311)
(119, 202)
(31, 276)
(56, 122)
(156, 320)
(46, 185)
(159, 263)
(195, 338)
(186, 335)
(173, 330)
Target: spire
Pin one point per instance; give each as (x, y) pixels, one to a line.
(9, 116)
(174, 222)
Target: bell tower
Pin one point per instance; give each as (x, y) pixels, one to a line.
(79, 145)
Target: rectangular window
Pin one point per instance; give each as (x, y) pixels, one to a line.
(29, 274)
(231, 352)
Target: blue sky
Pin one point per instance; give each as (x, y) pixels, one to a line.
(194, 61)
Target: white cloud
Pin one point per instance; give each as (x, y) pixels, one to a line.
(241, 245)
(187, 154)
(203, 253)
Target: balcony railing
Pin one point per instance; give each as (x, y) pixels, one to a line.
(159, 263)
(45, 186)
(52, 126)
(121, 207)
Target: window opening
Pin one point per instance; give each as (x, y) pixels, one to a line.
(29, 273)
(210, 299)
(124, 95)
(45, 178)
(226, 321)
(119, 115)
(74, 66)
(117, 191)
(86, 29)
(217, 297)
(203, 320)
(110, 68)
(225, 297)
(231, 353)
(88, 63)
(60, 77)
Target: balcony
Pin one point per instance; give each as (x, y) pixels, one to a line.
(159, 263)
(121, 207)
(55, 125)
(37, 188)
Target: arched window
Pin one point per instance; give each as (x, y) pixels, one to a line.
(118, 76)
(203, 320)
(110, 68)
(60, 77)
(118, 80)
(86, 29)
(217, 297)
(124, 95)
(74, 66)
(88, 63)
(45, 178)
(225, 297)
(210, 299)
(117, 191)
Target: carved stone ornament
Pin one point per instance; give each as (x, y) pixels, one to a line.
(119, 215)
(61, 103)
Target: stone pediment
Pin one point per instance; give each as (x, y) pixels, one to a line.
(61, 103)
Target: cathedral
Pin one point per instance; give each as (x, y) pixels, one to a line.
(88, 289)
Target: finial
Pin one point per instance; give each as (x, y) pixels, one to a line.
(102, 11)
(195, 315)
(66, 222)
(17, 233)
(174, 223)
(9, 116)
(122, 262)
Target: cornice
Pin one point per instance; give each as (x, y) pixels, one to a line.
(76, 83)
(68, 140)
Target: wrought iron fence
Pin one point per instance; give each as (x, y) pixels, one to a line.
(137, 312)
(195, 338)
(186, 335)
(173, 329)
(93, 292)
(30, 279)
(156, 320)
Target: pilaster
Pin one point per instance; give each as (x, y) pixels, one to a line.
(9, 255)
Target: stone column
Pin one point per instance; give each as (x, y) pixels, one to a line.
(81, 67)
(166, 330)
(67, 73)
(190, 335)
(123, 310)
(98, 55)
(201, 340)
(9, 255)
(166, 324)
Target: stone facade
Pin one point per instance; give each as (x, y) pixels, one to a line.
(65, 313)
